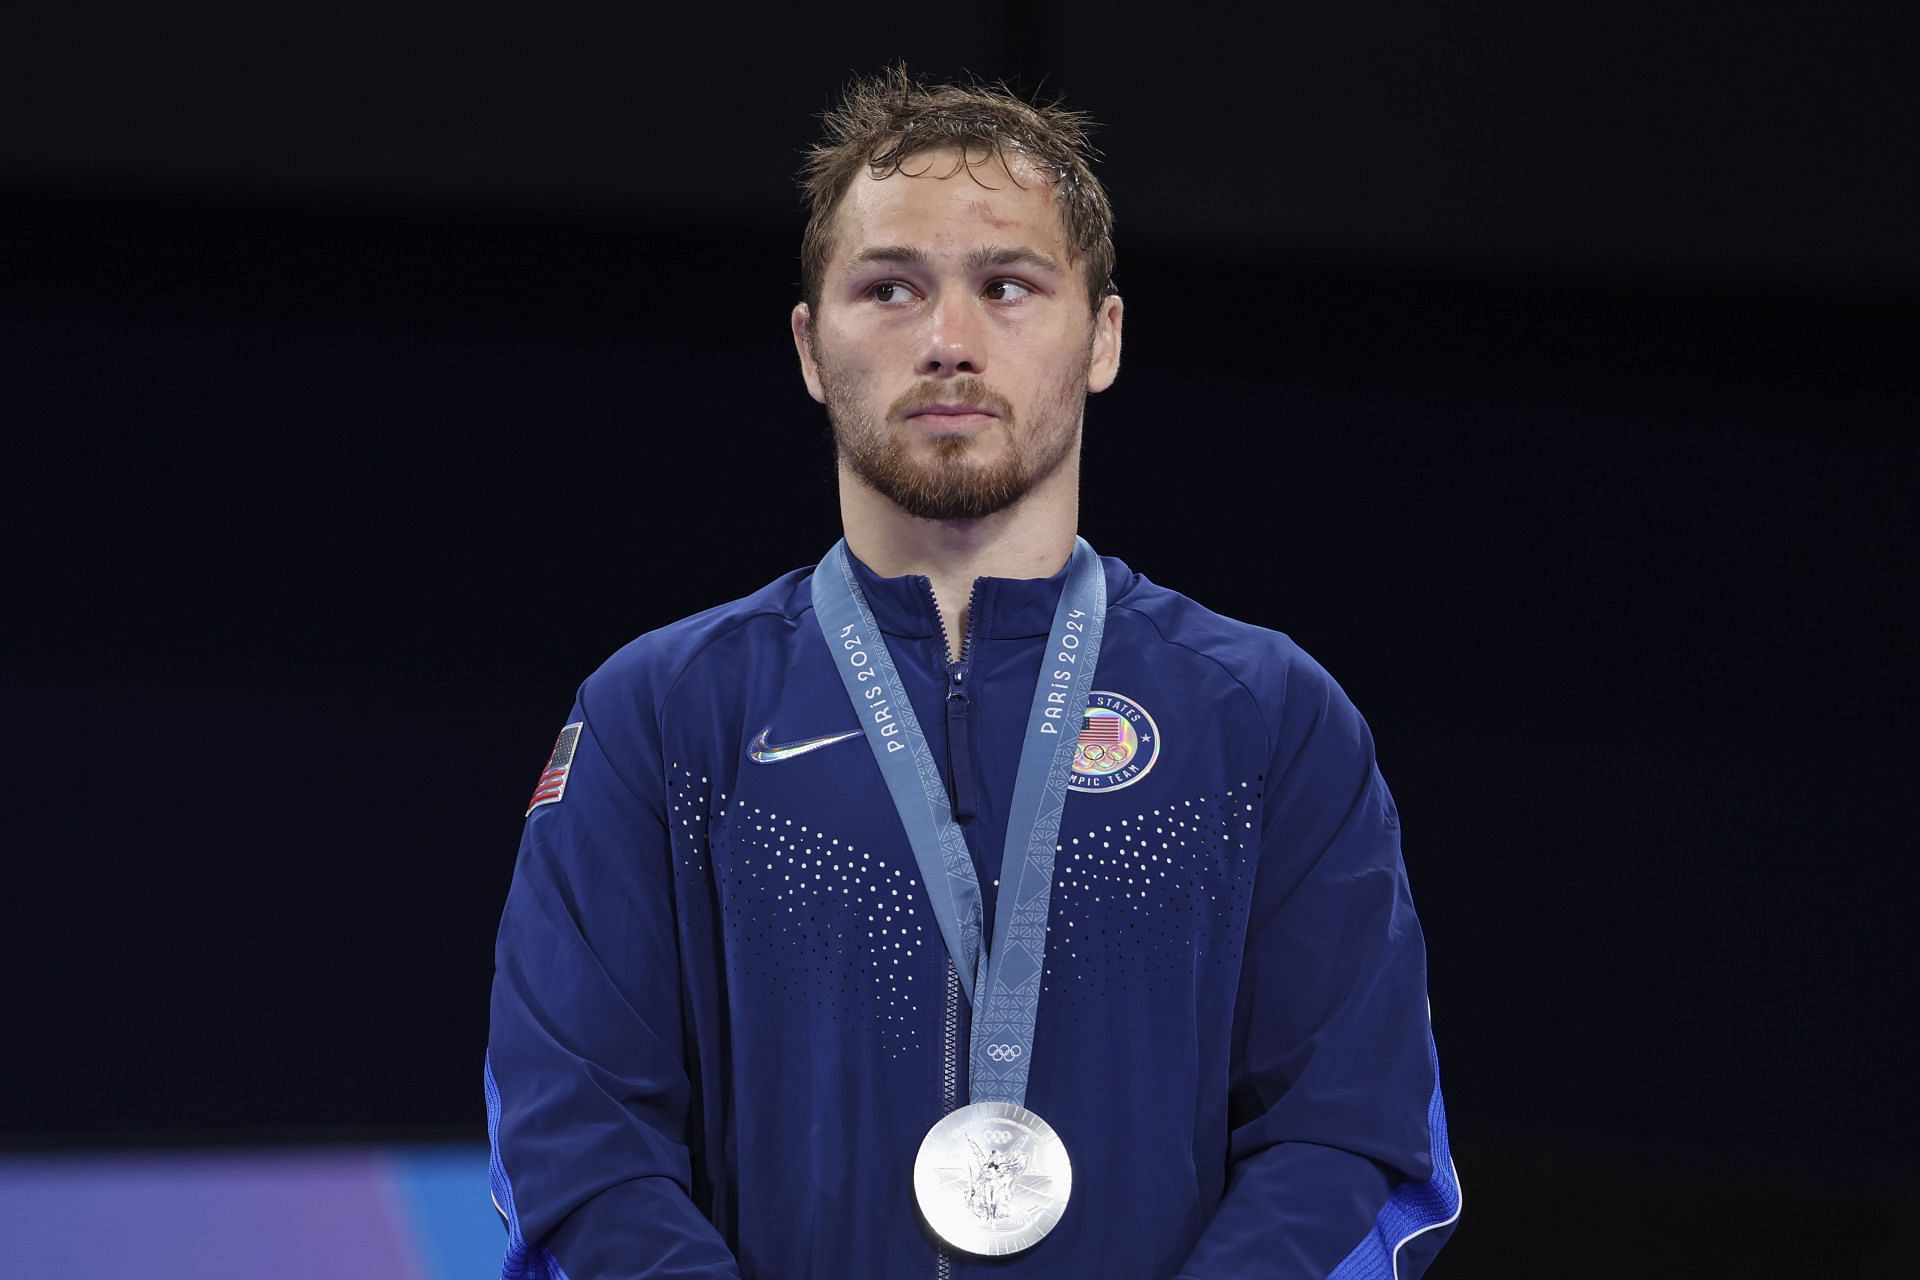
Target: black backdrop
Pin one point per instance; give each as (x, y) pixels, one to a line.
(1552, 382)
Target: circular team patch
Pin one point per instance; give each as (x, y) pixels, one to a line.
(1118, 744)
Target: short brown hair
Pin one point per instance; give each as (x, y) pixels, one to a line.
(886, 119)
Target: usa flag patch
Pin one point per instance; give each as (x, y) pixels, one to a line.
(553, 779)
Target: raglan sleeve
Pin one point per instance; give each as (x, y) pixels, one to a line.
(1340, 1164)
(585, 1077)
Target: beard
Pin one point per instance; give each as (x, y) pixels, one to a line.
(955, 483)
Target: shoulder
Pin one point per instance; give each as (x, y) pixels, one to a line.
(645, 670)
(1283, 680)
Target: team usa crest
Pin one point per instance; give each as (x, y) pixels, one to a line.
(1118, 744)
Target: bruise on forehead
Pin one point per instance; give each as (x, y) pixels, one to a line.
(983, 211)
(1011, 162)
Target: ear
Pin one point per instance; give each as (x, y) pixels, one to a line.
(802, 320)
(1105, 364)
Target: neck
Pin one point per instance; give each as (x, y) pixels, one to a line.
(1030, 539)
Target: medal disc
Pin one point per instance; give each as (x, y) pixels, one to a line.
(992, 1178)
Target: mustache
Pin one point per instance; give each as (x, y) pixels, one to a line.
(968, 390)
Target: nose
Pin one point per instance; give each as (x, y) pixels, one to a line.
(955, 342)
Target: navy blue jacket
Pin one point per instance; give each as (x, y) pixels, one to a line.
(723, 1016)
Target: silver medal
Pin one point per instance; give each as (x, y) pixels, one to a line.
(992, 1178)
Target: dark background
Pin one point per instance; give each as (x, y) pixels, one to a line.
(368, 377)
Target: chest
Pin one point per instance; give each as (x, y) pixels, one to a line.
(802, 862)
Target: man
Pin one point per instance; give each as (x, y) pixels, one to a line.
(763, 1005)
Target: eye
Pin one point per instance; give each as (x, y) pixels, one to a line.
(1008, 291)
(887, 291)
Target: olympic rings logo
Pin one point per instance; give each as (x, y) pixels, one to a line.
(1003, 1052)
(1105, 759)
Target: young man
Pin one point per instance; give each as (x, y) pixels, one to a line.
(967, 902)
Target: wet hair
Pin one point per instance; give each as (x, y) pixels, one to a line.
(885, 120)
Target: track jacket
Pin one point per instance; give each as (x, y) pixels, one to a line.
(723, 1016)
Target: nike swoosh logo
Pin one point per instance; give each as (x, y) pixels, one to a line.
(761, 753)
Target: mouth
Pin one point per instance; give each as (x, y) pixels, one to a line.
(952, 417)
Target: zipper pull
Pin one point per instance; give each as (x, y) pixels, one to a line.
(960, 743)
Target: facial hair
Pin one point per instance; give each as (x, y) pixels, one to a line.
(953, 484)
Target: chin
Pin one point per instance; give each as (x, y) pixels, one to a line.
(958, 451)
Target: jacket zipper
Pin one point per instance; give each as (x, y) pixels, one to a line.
(949, 1085)
(966, 638)
(959, 761)
(964, 790)
(966, 801)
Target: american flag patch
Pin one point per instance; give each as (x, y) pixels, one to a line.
(553, 779)
(1103, 728)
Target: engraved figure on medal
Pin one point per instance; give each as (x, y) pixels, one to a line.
(990, 1184)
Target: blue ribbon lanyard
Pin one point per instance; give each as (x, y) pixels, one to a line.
(1002, 983)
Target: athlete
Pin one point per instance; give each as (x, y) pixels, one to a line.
(965, 903)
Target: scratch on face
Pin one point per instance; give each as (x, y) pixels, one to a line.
(982, 211)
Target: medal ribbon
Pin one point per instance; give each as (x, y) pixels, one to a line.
(1001, 983)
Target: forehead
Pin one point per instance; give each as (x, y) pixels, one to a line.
(937, 203)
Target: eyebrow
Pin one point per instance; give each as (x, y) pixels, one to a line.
(990, 256)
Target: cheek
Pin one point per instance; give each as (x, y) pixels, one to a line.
(855, 351)
(856, 386)
(1057, 360)
(853, 377)
(839, 356)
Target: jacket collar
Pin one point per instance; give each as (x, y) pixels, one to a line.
(1003, 608)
